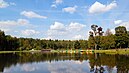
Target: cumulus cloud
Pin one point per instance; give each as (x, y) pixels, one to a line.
(67, 67)
(28, 68)
(98, 7)
(53, 6)
(57, 26)
(118, 22)
(70, 10)
(78, 37)
(31, 14)
(59, 29)
(126, 24)
(23, 21)
(113, 31)
(5, 30)
(76, 26)
(4, 4)
(56, 29)
(29, 32)
(13, 23)
(58, 1)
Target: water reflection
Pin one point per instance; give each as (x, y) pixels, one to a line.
(63, 63)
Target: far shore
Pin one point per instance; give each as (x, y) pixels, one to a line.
(111, 51)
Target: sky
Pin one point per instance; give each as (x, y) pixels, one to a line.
(61, 19)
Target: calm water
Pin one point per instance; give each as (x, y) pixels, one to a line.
(63, 63)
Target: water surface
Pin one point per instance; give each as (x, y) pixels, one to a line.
(63, 63)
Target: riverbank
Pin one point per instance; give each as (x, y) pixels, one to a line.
(19, 51)
(113, 51)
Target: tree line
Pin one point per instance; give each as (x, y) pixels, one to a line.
(109, 41)
(12, 43)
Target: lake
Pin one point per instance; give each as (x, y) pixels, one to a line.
(63, 63)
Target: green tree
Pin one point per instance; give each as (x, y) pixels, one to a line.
(2, 40)
(121, 37)
(107, 42)
(77, 45)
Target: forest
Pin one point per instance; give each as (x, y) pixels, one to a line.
(107, 40)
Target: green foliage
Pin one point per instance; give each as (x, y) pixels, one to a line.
(110, 41)
(91, 42)
(122, 37)
(120, 30)
(8, 42)
(107, 42)
(77, 45)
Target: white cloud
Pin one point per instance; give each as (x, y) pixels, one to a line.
(126, 24)
(29, 32)
(13, 23)
(58, 1)
(53, 6)
(31, 14)
(57, 26)
(47, 38)
(59, 30)
(97, 7)
(70, 10)
(5, 30)
(113, 31)
(23, 21)
(3, 4)
(78, 37)
(76, 26)
(28, 68)
(117, 21)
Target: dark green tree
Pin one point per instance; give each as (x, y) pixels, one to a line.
(121, 37)
(77, 45)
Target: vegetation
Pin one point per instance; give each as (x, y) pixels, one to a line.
(96, 40)
(120, 40)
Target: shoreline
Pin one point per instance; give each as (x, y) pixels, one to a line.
(111, 51)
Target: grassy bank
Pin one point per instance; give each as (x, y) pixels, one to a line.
(18, 51)
(114, 51)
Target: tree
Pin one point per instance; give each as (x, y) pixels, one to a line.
(96, 30)
(107, 42)
(2, 40)
(121, 37)
(77, 45)
(91, 42)
(120, 30)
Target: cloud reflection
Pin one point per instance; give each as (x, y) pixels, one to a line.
(28, 68)
(68, 67)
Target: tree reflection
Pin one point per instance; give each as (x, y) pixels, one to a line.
(99, 63)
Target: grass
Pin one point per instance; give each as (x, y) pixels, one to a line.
(113, 51)
(18, 51)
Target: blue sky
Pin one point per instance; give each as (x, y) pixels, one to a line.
(61, 19)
